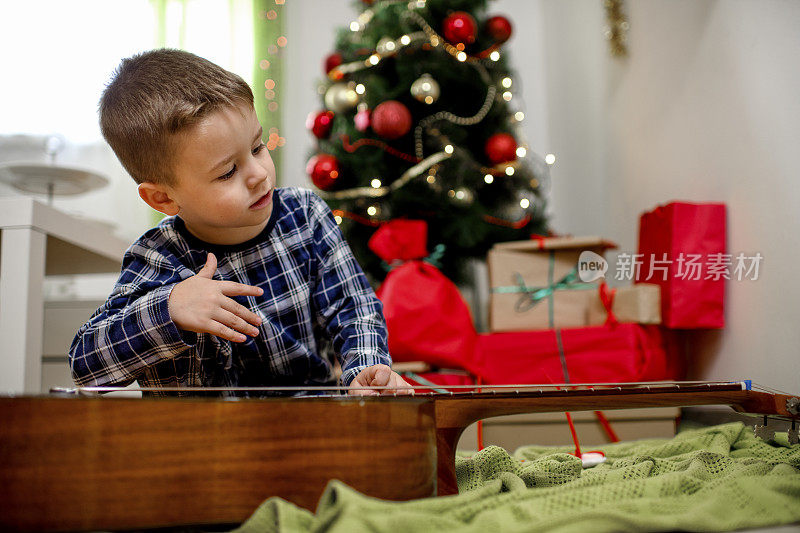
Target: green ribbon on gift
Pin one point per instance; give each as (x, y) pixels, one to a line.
(530, 296)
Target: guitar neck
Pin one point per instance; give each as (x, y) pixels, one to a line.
(460, 410)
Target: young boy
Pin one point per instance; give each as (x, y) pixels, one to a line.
(243, 284)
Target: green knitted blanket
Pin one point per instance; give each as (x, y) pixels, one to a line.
(719, 478)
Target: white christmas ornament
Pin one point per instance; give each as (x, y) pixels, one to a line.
(425, 89)
(386, 47)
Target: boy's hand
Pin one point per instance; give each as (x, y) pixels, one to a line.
(203, 305)
(379, 376)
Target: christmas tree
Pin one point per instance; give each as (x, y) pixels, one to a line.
(419, 121)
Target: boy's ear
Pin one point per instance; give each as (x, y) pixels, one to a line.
(158, 197)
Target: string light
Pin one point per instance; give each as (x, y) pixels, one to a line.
(494, 56)
(376, 183)
(550, 159)
(524, 203)
(360, 89)
(372, 210)
(509, 171)
(374, 59)
(448, 149)
(461, 56)
(507, 96)
(338, 219)
(519, 116)
(488, 178)
(355, 26)
(521, 151)
(405, 40)
(506, 82)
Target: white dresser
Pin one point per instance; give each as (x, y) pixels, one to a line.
(37, 240)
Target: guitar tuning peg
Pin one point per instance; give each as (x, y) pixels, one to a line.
(794, 434)
(764, 432)
(793, 405)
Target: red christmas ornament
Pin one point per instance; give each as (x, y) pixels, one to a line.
(499, 28)
(324, 170)
(320, 124)
(391, 119)
(333, 61)
(459, 27)
(501, 147)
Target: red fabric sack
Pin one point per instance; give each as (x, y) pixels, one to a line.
(599, 354)
(426, 315)
(693, 238)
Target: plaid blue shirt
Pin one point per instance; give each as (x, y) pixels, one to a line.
(316, 300)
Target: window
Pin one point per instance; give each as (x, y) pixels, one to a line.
(58, 56)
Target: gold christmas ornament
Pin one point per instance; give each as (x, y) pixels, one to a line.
(341, 97)
(425, 89)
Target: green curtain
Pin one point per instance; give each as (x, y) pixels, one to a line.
(269, 41)
(174, 28)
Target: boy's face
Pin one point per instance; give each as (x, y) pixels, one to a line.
(224, 177)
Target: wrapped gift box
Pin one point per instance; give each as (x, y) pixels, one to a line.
(682, 247)
(640, 303)
(535, 283)
(598, 354)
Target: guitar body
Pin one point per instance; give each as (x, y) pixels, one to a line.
(94, 463)
(117, 463)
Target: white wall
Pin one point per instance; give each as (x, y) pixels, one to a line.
(310, 32)
(704, 108)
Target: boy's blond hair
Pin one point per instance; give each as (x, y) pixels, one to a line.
(153, 97)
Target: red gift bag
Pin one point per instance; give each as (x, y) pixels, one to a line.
(426, 315)
(599, 354)
(682, 247)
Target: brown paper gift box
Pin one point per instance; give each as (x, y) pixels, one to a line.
(640, 303)
(529, 262)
